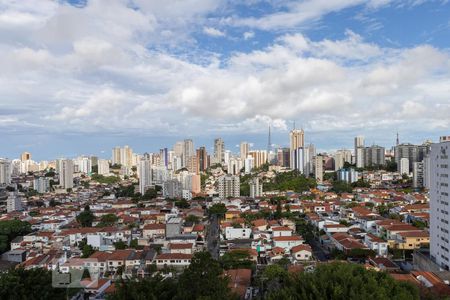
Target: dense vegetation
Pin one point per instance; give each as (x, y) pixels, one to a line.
(18, 284)
(290, 181)
(203, 279)
(11, 229)
(105, 179)
(342, 281)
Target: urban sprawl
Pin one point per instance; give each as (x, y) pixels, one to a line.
(250, 214)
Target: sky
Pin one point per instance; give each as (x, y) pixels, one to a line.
(79, 77)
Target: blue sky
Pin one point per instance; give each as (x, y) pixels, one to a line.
(80, 77)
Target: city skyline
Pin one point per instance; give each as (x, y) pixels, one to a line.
(83, 76)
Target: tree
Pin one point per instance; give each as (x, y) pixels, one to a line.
(86, 217)
(150, 194)
(218, 209)
(108, 220)
(87, 251)
(11, 229)
(236, 259)
(192, 218)
(135, 244)
(120, 245)
(34, 284)
(182, 203)
(341, 187)
(344, 281)
(153, 287)
(203, 279)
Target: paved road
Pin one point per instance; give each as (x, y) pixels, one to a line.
(212, 237)
(318, 251)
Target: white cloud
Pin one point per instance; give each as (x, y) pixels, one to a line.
(248, 35)
(213, 32)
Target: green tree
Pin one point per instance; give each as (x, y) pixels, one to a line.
(9, 230)
(86, 217)
(344, 281)
(34, 284)
(203, 279)
(120, 245)
(236, 259)
(108, 220)
(192, 218)
(150, 194)
(341, 187)
(153, 287)
(87, 251)
(217, 209)
(182, 203)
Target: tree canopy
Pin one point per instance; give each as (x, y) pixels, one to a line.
(86, 217)
(32, 284)
(293, 181)
(9, 230)
(344, 281)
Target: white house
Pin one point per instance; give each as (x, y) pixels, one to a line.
(237, 233)
(302, 252)
(377, 244)
(287, 242)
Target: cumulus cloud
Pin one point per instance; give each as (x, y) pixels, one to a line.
(105, 67)
(213, 32)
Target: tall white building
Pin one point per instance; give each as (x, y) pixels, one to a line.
(41, 184)
(145, 175)
(219, 151)
(256, 188)
(229, 186)
(418, 175)
(341, 157)
(5, 172)
(244, 148)
(83, 164)
(249, 164)
(13, 203)
(296, 140)
(103, 167)
(318, 168)
(359, 151)
(188, 151)
(440, 203)
(122, 156)
(404, 166)
(66, 173)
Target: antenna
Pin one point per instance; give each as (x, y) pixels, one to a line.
(269, 144)
(294, 125)
(398, 140)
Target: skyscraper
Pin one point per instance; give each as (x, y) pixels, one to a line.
(188, 151)
(219, 151)
(66, 173)
(374, 156)
(359, 151)
(229, 186)
(244, 149)
(13, 203)
(103, 167)
(5, 172)
(256, 188)
(25, 156)
(440, 203)
(145, 175)
(414, 153)
(297, 140)
(202, 159)
(318, 168)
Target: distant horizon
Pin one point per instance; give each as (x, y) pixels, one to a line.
(81, 76)
(231, 143)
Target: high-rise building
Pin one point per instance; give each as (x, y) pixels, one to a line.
(440, 203)
(122, 156)
(229, 186)
(219, 151)
(348, 175)
(66, 173)
(244, 148)
(202, 159)
(284, 157)
(359, 151)
(5, 172)
(341, 157)
(103, 167)
(13, 203)
(414, 153)
(25, 156)
(296, 140)
(172, 189)
(83, 164)
(234, 166)
(374, 156)
(318, 168)
(249, 164)
(256, 188)
(41, 184)
(259, 157)
(145, 175)
(404, 166)
(418, 175)
(188, 151)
